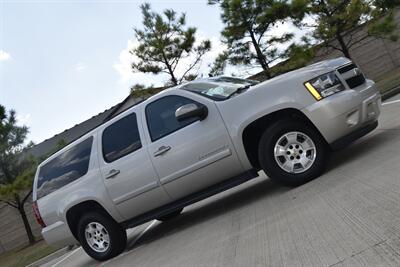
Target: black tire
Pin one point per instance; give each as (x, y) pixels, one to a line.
(267, 158)
(116, 233)
(170, 216)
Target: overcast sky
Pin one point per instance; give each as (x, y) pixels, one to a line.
(61, 62)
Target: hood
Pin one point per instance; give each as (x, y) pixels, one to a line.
(310, 71)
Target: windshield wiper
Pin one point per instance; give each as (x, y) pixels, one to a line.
(239, 90)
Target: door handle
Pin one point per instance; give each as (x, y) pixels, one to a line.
(161, 150)
(112, 173)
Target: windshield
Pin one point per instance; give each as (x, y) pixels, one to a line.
(220, 88)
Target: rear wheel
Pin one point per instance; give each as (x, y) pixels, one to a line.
(170, 216)
(100, 236)
(292, 152)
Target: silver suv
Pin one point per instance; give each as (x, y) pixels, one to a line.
(196, 140)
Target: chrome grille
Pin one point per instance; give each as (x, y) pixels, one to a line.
(352, 75)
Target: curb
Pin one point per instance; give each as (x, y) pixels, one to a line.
(390, 93)
(51, 257)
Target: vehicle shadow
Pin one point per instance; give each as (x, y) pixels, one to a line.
(360, 148)
(253, 191)
(214, 207)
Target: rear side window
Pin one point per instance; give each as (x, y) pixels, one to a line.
(64, 169)
(121, 138)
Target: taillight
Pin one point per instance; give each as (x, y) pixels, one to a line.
(37, 215)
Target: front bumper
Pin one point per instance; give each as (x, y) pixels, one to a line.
(347, 112)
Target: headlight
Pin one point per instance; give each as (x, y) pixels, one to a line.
(324, 85)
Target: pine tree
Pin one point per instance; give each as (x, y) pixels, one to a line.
(163, 42)
(247, 32)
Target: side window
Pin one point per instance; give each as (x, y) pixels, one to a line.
(160, 116)
(65, 168)
(121, 138)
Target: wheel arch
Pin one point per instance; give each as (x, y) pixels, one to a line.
(75, 212)
(252, 133)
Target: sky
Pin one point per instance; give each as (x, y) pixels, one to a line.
(62, 62)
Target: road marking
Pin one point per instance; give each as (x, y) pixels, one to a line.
(141, 234)
(130, 244)
(67, 256)
(391, 102)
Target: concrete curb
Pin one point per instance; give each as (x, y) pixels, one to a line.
(51, 257)
(390, 93)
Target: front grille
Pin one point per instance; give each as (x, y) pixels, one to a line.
(347, 68)
(352, 75)
(356, 81)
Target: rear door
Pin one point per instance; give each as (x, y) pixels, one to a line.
(128, 173)
(194, 154)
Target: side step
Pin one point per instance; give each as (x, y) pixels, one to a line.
(188, 200)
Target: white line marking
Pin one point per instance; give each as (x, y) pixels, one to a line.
(391, 102)
(67, 256)
(130, 244)
(141, 234)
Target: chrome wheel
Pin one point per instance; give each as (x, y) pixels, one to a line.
(97, 237)
(295, 152)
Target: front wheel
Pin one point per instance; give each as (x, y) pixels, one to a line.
(100, 236)
(292, 152)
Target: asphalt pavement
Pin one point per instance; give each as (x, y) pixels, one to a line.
(350, 216)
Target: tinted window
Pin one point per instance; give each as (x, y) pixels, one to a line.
(121, 138)
(161, 118)
(65, 168)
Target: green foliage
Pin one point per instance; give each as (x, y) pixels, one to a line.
(386, 5)
(384, 28)
(12, 139)
(247, 31)
(21, 185)
(338, 20)
(143, 92)
(17, 169)
(219, 64)
(298, 55)
(164, 42)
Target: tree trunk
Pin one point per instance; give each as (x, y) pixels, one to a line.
(260, 56)
(21, 210)
(28, 228)
(343, 46)
(171, 72)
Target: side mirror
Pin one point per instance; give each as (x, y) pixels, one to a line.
(191, 111)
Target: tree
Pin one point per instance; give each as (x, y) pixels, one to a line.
(142, 92)
(219, 64)
(336, 21)
(16, 168)
(298, 55)
(247, 32)
(164, 42)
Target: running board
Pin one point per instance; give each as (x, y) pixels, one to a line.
(188, 200)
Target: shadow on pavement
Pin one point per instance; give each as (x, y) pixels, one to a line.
(359, 148)
(218, 206)
(263, 188)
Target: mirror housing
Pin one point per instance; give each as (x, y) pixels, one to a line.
(191, 111)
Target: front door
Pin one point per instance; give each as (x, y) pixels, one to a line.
(189, 155)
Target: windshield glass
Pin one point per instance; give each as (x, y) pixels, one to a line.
(219, 88)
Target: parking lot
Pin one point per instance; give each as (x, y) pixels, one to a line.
(350, 216)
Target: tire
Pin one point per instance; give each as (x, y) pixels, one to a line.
(292, 162)
(98, 221)
(170, 216)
